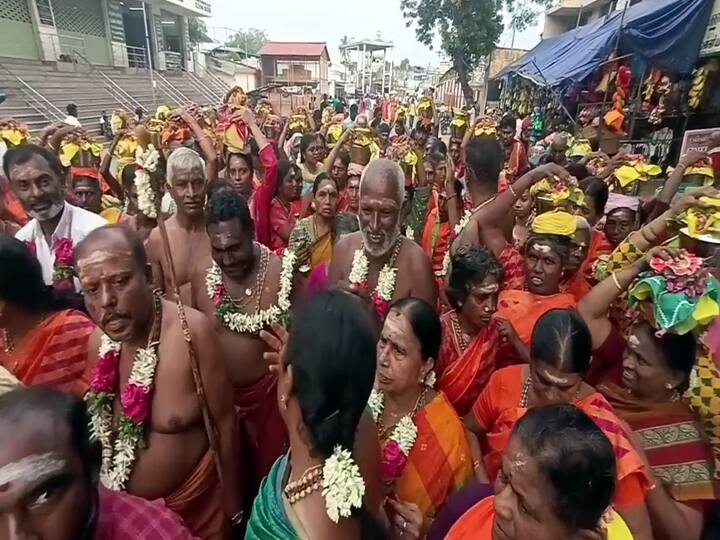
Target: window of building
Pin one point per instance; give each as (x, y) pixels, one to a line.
(45, 12)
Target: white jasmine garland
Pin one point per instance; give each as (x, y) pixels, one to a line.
(387, 277)
(343, 486)
(147, 161)
(359, 268)
(459, 227)
(243, 323)
(405, 431)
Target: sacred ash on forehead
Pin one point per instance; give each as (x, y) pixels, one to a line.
(31, 468)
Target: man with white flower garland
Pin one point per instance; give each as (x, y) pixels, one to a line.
(189, 243)
(243, 290)
(378, 263)
(142, 401)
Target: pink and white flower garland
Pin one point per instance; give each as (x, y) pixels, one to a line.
(385, 288)
(396, 450)
(118, 459)
(63, 269)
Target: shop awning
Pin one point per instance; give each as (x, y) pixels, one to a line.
(663, 33)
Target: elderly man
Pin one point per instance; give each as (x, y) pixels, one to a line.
(377, 262)
(189, 243)
(38, 181)
(49, 477)
(245, 281)
(143, 394)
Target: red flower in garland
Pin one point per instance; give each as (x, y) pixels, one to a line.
(135, 402)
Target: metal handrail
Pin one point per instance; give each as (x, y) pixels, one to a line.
(201, 87)
(173, 92)
(218, 85)
(137, 56)
(114, 90)
(36, 100)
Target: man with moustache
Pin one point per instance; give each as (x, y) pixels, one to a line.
(379, 245)
(38, 180)
(189, 243)
(244, 280)
(143, 379)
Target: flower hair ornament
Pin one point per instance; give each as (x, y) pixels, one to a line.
(342, 485)
(682, 292)
(146, 162)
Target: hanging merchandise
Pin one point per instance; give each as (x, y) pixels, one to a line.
(697, 88)
(663, 90)
(649, 89)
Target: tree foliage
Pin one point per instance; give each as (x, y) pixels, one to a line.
(251, 40)
(468, 29)
(197, 31)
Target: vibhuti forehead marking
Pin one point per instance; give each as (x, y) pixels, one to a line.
(488, 289)
(31, 468)
(100, 256)
(542, 248)
(633, 341)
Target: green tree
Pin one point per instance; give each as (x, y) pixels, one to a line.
(197, 31)
(250, 40)
(469, 29)
(404, 65)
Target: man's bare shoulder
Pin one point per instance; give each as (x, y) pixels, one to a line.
(413, 253)
(348, 243)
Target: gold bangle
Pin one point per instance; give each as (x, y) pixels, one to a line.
(476, 464)
(616, 282)
(510, 188)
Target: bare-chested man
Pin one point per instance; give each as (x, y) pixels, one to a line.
(379, 243)
(173, 460)
(186, 228)
(240, 291)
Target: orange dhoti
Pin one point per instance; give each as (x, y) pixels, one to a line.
(263, 436)
(199, 501)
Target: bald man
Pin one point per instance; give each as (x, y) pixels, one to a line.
(189, 243)
(408, 271)
(173, 460)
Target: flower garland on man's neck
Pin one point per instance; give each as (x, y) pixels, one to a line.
(396, 450)
(146, 164)
(383, 293)
(244, 323)
(118, 457)
(63, 269)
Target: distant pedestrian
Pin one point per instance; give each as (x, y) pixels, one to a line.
(72, 118)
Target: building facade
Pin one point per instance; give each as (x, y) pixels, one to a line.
(295, 65)
(106, 32)
(569, 14)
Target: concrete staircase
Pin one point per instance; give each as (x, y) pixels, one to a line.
(39, 91)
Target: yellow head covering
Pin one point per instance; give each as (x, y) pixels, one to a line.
(559, 223)
(581, 148)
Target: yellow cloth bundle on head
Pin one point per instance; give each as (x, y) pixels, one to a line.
(559, 223)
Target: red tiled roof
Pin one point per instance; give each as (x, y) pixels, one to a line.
(293, 48)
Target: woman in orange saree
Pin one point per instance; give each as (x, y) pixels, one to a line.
(560, 353)
(470, 338)
(41, 343)
(543, 496)
(425, 453)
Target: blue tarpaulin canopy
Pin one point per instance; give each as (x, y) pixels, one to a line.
(662, 33)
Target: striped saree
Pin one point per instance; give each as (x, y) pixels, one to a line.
(439, 463)
(53, 354)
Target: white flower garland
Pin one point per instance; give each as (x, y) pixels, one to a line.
(343, 486)
(118, 462)
(244, 323)
(147, 161)
(405, 431)
(387, 277)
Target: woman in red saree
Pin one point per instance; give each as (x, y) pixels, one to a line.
(286, 205)
(470, 337)
(541, 495)
(644, 378)
(560, 354)
(41, 342)
(419, 474)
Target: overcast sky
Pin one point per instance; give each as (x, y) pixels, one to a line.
(315, 20)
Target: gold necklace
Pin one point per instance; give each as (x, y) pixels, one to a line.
(463, 339)
(8, 340)
(384, 430)
(309, 482)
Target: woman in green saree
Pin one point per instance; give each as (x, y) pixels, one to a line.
(325, 375)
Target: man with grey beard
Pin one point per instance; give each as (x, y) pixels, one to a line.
(378, 263)
(38, 180)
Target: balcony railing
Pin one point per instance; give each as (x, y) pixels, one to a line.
(137, 56)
